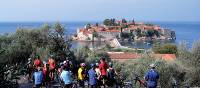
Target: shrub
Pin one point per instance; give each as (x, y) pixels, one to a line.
(166, 70)
(165, 49)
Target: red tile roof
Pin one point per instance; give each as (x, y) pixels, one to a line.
(85, 32)
(167, 57)
(123, 55)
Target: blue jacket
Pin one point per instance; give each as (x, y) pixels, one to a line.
(38, 76)
(66, 76)
(92, 77)
(152, 77)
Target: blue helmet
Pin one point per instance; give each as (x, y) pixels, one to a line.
(92, 65)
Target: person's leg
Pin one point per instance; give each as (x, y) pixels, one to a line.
(91, 86)
(95, 86)
(69, 85)
(52, 74)
(38, 85)
(104, 81)
(81, 83)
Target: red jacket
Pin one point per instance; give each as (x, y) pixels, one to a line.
(103, 68)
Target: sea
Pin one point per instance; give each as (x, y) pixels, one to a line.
(188, 32)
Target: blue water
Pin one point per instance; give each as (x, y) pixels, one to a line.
(185, 31)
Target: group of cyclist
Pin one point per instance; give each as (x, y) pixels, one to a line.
(97, 75)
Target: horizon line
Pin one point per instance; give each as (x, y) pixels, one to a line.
(91, 21)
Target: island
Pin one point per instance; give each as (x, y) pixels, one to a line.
(112, 29)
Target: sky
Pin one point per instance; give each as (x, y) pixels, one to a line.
(98, 10)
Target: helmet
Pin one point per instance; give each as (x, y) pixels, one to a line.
(61, 64)
(97, 64)
(64, 62)
(92, 65)
(152, 65)
(44, 62)
(83, 65)
(29, 59)
(110, 64)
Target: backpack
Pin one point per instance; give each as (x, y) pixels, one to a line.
(111, 73)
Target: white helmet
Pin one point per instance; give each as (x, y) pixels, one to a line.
(152, 65)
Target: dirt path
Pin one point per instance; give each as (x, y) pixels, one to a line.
(24, 83)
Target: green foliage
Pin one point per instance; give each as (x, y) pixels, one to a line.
(94, 35)
(43, 41)
(124, 21)
(148, 24)
(127, 50)
(84, 54)
(190, 60)
(165, 49)
(109, 22)
(16, 48)
(195, 63)
(9, 75)
(88, 26)
(166, 70)
(151, 33)
(138, 32)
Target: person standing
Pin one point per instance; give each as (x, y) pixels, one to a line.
(38, 77)
(151, 77)
(52, 66)
(97, 70)
(103, 69)
(111, 75)
(66, 77)
(46, 77)
(81, 75)
(92, 77)
(30, 69)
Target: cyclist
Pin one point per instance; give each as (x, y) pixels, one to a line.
(46, 78)
(61, 67)
(37, 77)
(111, 75)
(92, 77)
(29, 69)
(98, 74)
(151, 77)
(81, 75)
(66, 77)
(52, 66)
(103, 69)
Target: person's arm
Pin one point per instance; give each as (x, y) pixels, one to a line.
(146, 77)
(115, 72)
(42, 75)
(157, 75)
(61, 76)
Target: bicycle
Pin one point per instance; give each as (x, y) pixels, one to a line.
(137, 79)
(175, 84)
(133, 83)
(75, 84)
(128, 84)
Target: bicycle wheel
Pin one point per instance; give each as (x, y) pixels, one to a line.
(74, 85)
